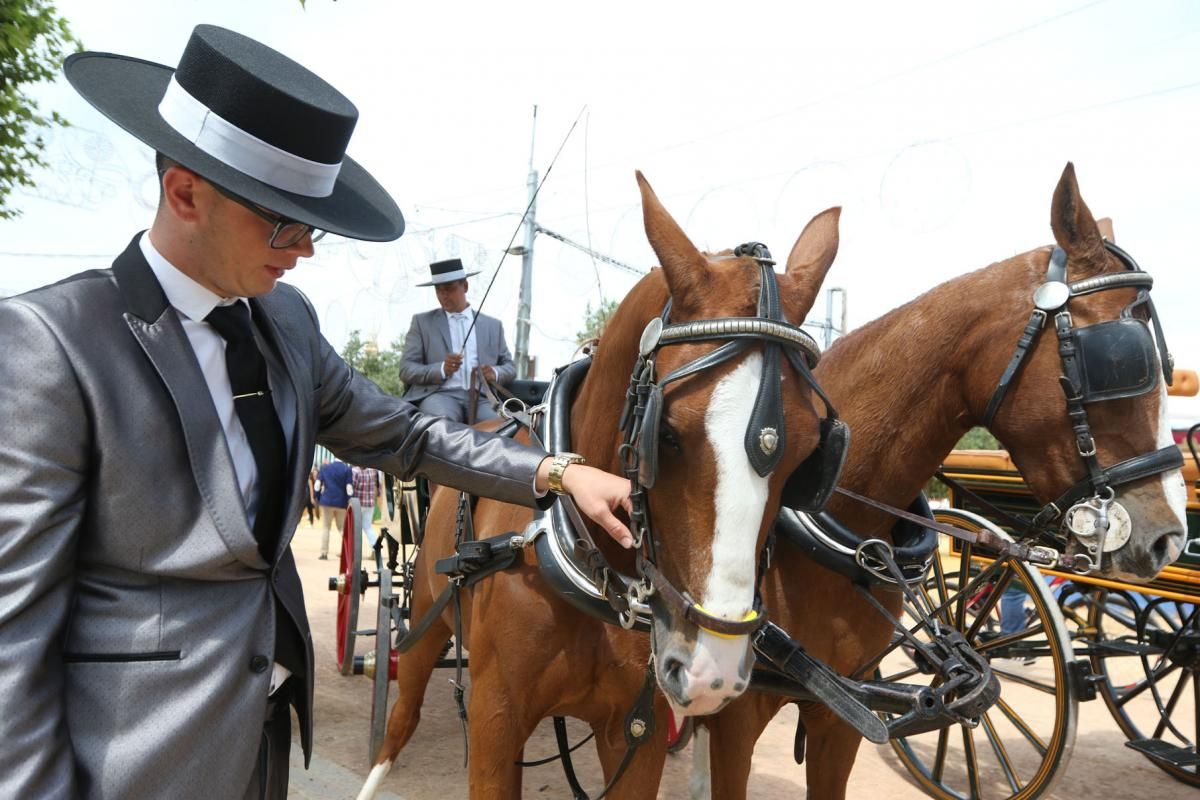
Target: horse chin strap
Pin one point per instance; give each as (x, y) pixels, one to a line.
(1088, 511)
(765, 436)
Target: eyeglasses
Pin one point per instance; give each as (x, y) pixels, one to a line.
(287, 233)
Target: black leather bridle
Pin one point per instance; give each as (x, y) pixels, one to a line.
(1103, 361)
(765, 437)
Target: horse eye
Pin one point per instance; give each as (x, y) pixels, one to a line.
(669, 438)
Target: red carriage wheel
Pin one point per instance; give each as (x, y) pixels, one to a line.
(350, 585)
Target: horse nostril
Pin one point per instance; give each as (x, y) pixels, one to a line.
(1161, 548)
(673, 670)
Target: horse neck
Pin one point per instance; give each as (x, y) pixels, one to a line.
(909, 384)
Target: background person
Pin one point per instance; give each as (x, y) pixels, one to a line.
(368, 486)
(335, 482)
(435, 369)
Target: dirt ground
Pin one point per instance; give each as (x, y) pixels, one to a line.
(430, 768)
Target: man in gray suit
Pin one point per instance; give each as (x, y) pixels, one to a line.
(444, 348)
(159, 423)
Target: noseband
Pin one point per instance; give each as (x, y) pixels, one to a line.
(1103, 361)
(765, 437)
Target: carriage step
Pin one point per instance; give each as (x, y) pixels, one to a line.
(1166, 752)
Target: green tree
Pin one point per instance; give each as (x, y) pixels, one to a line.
(978, 439)
(33, 41)
(381, 366)
(595, 320)
(974, 439)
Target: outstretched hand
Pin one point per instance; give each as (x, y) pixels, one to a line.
(597, 494)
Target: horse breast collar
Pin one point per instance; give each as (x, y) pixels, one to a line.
(1103, 361)
(765, 436)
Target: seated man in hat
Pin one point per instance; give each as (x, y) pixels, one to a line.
(444, 348)
(160, 419)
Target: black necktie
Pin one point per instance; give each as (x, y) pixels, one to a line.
(252, 399)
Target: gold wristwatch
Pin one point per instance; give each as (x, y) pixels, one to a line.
(558, 466)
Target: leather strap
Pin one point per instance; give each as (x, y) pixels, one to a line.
(1024, 344)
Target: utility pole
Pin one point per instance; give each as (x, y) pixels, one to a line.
(829, 329)
(525, 302)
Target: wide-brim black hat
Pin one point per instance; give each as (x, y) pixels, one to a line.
(447, 271)
(250, 120)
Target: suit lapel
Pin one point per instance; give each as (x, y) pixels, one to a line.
(442, 325)
(298, 465)
(162, 338)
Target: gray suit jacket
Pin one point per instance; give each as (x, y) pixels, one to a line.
(428, 343)
(137, 618)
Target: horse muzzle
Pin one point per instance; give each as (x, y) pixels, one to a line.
(701, 675)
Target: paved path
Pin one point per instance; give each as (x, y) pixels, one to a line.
(324, 779)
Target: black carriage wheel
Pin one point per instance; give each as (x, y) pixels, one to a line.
(1146, 651)
(1019, 747)
(383, 667)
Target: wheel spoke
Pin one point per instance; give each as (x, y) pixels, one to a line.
(1169, 709)
(971, 759)
(900, 676)
(939, 760)
(1048, 688)
(993, 737)
(964, 574)
(1196, 712)
(1144, 684)
(1002, 641)
(1021, 725)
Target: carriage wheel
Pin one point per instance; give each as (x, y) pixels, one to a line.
(351, 583)
(1019, 746)
(1146, 650)
(383, 664)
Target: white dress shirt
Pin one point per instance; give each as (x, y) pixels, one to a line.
(192, 303)
(460, 323)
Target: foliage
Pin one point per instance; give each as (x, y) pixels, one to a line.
(595, 320)
(33, 42)
(978, 439)
(974, 439)
(381, 366)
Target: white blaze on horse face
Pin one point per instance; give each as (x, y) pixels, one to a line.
(739, 496)
(1174, 486)
(718, 667)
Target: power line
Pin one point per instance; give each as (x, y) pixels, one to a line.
(595, 255)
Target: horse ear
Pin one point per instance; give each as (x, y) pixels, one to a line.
(1106, 229)
(1075, 229)
(683, 265)
(811, 257)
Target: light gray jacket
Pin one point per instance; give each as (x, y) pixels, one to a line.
(137, 618)
(428, 343)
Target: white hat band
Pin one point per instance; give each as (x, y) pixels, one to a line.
(244, 151)
(446, 277)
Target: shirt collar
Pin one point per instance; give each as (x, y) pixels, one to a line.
(188, 297)
(466, 312)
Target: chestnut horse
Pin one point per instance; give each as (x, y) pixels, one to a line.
(910, 384)
(534, 655)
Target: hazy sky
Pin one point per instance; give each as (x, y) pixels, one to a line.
(941, 128)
